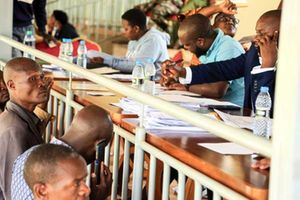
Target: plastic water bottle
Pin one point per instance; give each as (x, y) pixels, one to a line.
(150, 72)
(69, 51)
(29, 40)
(262, 122)
(62, 50)
(138, 75)
(82, 54)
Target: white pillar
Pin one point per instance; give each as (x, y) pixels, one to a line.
(6, 20)
(285, 169)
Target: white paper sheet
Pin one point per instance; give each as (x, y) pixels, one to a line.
(177, 92)
(101, 93)
(104, 70)
(236, 121)
(124, 77)
(228, 148)
(87, 86)
(189, 99)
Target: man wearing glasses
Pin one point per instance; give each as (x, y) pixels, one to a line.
(227, 23)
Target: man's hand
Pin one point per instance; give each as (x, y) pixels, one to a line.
(228, 7)
(268, 47)
(170, 72)
(262, 164)
(103, 190)
(178, 86)
(97, 60)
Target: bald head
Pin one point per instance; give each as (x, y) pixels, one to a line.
(92, 120)
(271, 19)
(19, 64)
(91, 125)
(195, 26)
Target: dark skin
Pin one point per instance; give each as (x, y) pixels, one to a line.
(266, 39)
(26, 83)
(90, 126)
(199, 47)
(131, 32)
(264, 163)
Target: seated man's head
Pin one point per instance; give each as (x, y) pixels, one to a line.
(196, 34)
(4, 96)
(90, 126)
(268, 25)
(25, 82)
(134, 24)
(59, 18)
(56, 172)
(227, 23)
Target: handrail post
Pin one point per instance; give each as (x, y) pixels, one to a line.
(138, 166)
(69, 98)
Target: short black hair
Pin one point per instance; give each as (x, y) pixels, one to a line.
(197, 26)
(61, 16)
(135, 17)
(41, 164)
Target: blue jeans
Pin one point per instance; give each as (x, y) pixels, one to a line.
(18, 35)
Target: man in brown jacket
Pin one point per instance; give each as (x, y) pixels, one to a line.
(20, 128)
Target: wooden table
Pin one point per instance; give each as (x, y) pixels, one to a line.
(233, 171)
(83, 98)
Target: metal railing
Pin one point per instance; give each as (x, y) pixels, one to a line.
(95, 13)
(245, 138)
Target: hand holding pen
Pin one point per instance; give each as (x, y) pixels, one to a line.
(171, 71)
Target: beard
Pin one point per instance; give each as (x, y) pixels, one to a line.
(199, 52)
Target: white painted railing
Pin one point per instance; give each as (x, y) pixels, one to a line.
(66, 104)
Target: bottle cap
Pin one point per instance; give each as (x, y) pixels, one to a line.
(28, 32)
(82, 42)
(264, 89)
(64, 40)
(139, 62)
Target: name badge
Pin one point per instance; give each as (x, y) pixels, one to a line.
(26, 1)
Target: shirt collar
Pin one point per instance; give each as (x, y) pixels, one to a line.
(25, 114)
(215, 44)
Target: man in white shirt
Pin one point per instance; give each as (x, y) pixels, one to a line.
(144, 43)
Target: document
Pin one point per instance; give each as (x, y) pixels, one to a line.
(227, 148)
(236, 121)
(104, 70)
(193, 99)
(101, 93)
(78, 85)
(122, 77)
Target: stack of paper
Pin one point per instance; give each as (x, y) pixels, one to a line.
(155, 119)
(227, 148)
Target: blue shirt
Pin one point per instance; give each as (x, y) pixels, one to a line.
(225, 47)
(19, 188)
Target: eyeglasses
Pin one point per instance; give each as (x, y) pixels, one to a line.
(228, 19)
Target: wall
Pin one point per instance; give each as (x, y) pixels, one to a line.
(250, 14)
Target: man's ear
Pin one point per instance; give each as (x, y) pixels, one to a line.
(39, 191)
(276, 36)
(10, 85)
(136, 28)
(200, 42)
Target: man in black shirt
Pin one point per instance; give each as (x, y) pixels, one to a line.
(23, 12)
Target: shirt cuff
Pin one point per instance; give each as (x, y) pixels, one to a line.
(188, 76)
(258, 69)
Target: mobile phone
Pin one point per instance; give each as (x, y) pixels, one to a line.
(224, 107)
(100, 150)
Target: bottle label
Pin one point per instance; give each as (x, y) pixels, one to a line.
(260, 113)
